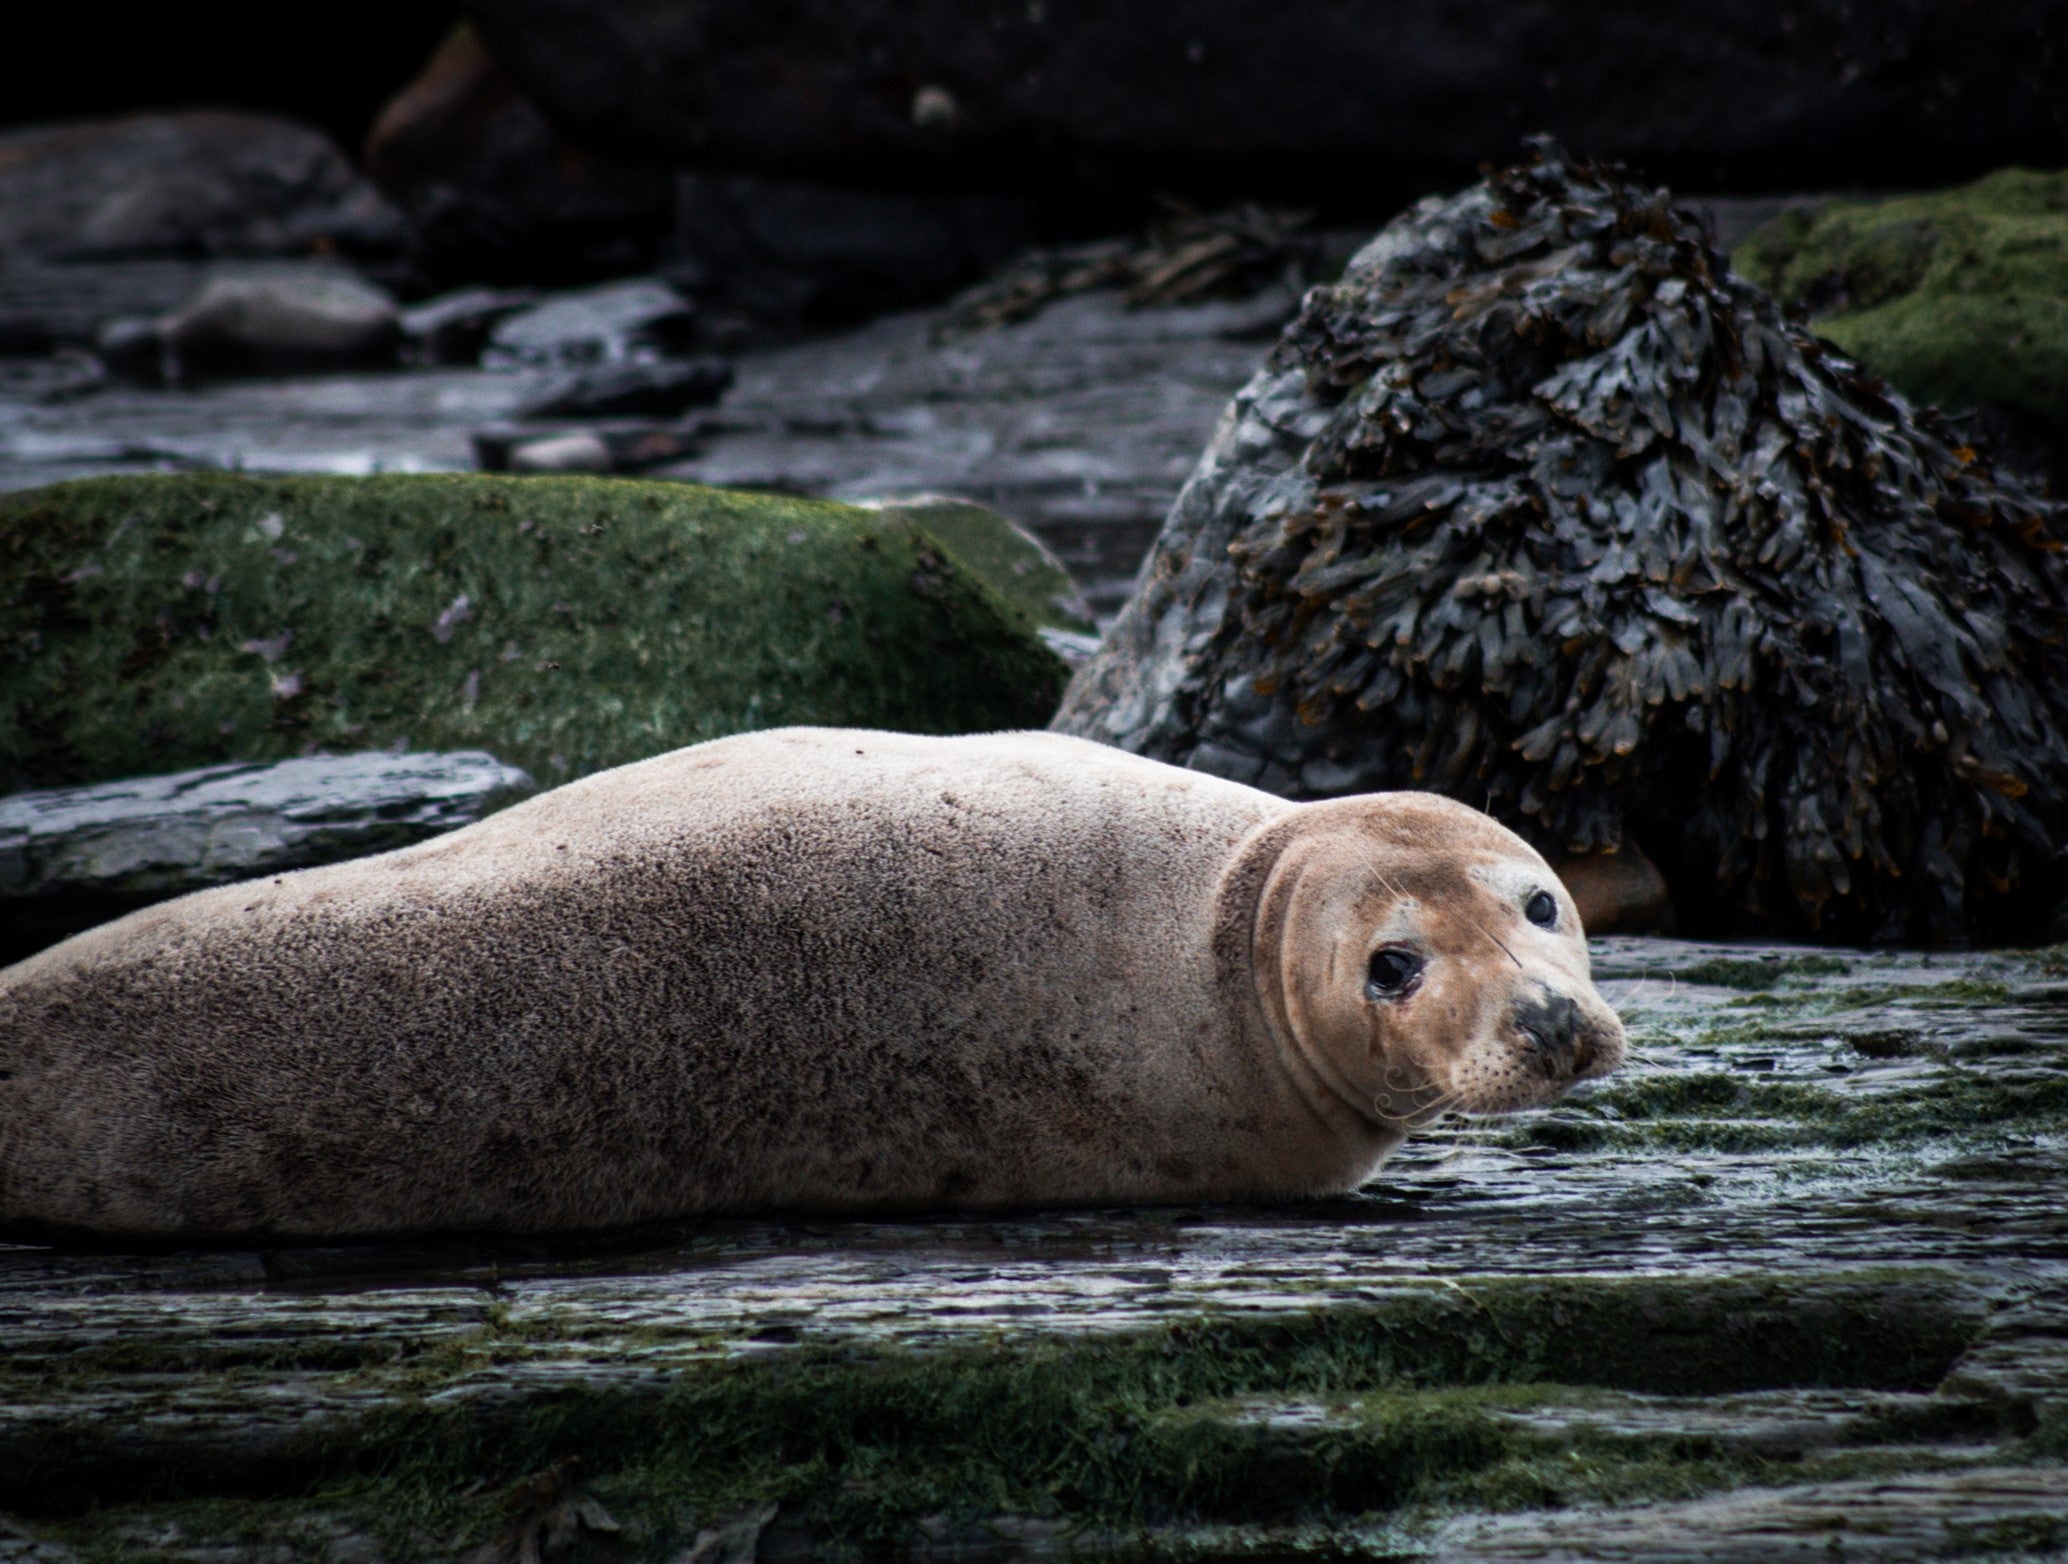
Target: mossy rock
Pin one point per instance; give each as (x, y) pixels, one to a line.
(564, 624)
(1018, 565)
(1958, 298)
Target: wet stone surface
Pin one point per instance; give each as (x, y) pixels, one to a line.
(1796, 1281)
(71, 857)
(1080, 423)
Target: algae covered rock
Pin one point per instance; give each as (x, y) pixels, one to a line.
(1959, 297)
(1543, 508)
(562, 624)
(1019, 566)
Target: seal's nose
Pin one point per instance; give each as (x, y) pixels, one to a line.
(1550, 1025)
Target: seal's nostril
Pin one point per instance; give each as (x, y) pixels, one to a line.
(1550, 1024)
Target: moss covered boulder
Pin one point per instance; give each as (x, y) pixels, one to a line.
(1958, 297)
(564, 624)
(1012, 560)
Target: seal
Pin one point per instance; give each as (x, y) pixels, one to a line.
(800, 970)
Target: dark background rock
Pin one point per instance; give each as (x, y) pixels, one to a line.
(453, 328)
(73, 857)
(192, 184)
(612, 390)
(494, 192)
(89, 61)
(1351, 105)
(786, 254)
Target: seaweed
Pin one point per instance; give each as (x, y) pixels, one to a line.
(1587, 531)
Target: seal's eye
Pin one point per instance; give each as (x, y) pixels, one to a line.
(1392, 973)
(1541, 909)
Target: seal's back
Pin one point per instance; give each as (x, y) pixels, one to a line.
(810, 968)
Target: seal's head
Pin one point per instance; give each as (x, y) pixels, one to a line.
(1421, 957)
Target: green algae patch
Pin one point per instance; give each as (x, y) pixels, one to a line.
(1009, 558)
(862, 1442)
(1756, 972)
(1721, 1112)
(1958, 297)
(564, 624)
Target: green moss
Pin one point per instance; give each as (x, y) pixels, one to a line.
(1718, 1112)
(1108, 1431)
(565, 624)
(1756, 972)
(1958, 298)
(1010, 559)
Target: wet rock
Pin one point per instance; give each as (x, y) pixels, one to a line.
(636, 318)
(270, 325)
(493, 190)
(620, 446)
(74, 857)
(1543, 508)
(198, 183)
(1082, 421)
(1286, 96)
(453, 328)
(1894, 1518)
(45, 305)
(633, 387)
(1959, 297)
(562, 624)
(582, 451)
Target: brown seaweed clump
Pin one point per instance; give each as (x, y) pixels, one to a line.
(1586, 531)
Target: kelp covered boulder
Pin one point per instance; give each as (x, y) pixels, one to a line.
(1543, 508)
(1959, 297)
(562, 624)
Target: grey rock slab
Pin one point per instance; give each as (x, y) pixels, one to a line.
(74, 856)
(163, 835)
(1925, 1515)
(418, 421)
(604, 324)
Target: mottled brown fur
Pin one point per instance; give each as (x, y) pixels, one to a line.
(807, 969)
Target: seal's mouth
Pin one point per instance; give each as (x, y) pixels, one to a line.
(1562, 1043)
(1547, 1044)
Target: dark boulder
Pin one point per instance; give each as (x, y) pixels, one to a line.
(495, 191)
(781, 253)
(1269, 96)
(658, 387)
(198, 183)
(1543, 508)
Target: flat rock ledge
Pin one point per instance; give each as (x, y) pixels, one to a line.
(71, 857)
(1795, 1284)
